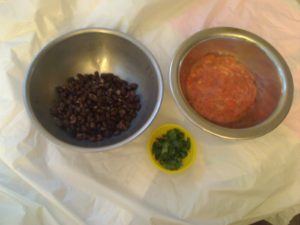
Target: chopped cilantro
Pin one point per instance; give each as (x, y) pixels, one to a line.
(171, 148)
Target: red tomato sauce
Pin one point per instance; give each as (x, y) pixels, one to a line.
(220, 88)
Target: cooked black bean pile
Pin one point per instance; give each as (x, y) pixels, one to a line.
(93, 106)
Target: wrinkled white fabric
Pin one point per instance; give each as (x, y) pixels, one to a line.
(232, 182)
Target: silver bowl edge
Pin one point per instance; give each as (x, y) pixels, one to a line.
(48, 45)
(261, 129)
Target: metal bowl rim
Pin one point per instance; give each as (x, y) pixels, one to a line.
(49, 45)
(264, 127)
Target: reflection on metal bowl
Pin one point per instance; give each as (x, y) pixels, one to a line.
(87, 51)
(272, 76)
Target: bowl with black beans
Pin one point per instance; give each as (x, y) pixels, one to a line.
(93, 89)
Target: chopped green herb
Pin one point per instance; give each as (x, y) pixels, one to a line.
(171, 148)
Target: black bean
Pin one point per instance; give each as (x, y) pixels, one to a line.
(73, 119)
(92, 125)
(132, 86)
(80, 76)
(99, 137)
(93, 97)
(93, 106)
(70, 80)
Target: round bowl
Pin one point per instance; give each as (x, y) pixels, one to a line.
(273, 80)
(187, 161)
(86, 51)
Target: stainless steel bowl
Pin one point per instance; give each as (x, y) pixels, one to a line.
(273, 79)
(87, 51)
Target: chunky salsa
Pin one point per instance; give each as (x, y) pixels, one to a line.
(220, 88)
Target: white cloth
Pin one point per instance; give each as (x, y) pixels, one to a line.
(232, 182)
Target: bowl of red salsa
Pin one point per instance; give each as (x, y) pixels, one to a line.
(231, 83)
